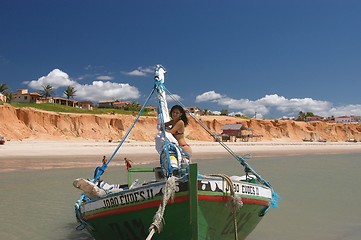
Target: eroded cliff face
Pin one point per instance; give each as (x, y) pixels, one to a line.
(28, 123)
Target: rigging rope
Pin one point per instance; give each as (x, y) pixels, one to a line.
(102, 168)
(236, 201)
(158, 219)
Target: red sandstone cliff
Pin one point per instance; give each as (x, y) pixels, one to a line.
(28, 123)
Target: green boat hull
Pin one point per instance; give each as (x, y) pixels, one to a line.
(134, 225)
(202, 209)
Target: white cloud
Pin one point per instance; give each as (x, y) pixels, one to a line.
(105, 78)
(96, 91)
(140, 71)
(208, 96)
(137, 73)
(285, 105)
(175, 96)
(216, 112)
(100, 90)
(56, 78)
(279, 106)
(353, 109)
(235, 113)
(246, 106)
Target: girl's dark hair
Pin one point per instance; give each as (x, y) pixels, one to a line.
(183, 116)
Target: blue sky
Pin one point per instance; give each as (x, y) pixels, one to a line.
(275, 58)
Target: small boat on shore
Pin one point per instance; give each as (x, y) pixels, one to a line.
(192, 205)
(2, 140)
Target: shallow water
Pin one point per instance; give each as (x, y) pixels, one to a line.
(320, 198)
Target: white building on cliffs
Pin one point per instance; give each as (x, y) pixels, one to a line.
(2, 98)
(23, 96)
(348, 119)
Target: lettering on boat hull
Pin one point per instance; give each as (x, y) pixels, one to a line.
(134, 196)
(129, 198)
(239, 188)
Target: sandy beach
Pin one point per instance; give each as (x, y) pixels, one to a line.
(22, 155)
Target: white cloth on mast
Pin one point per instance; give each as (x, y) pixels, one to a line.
(159, 139)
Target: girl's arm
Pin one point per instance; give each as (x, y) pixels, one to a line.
(179, 125)
(166, 124)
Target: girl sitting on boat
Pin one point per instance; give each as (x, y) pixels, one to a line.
(177, 126)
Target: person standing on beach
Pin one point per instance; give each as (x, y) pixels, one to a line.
(128, 163)
(177, 126)
(104, 160)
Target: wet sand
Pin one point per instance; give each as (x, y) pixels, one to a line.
(22, 155)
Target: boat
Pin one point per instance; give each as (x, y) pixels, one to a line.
(2, 140)
(179, 202)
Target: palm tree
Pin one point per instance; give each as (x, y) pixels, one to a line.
(70, 92)
(47, 91)
(134, 106)
(9, 97)
(206, 112)
(309, 114)
(301, 116)
(3, 88)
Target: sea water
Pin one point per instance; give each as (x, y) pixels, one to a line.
(320, 198)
